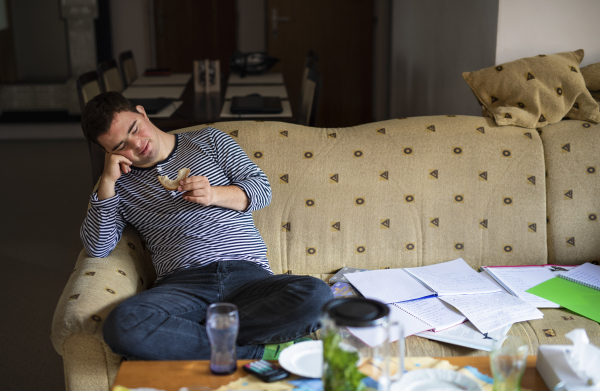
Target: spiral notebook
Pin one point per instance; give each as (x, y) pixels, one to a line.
(587, 274)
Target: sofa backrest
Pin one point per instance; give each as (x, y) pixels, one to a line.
(572, 151)
(398, 193)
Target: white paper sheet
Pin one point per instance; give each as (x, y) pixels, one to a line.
(485, 275)
(388, 285)
(519, 279)
(375, 335)
(490, 311)
(467, 335)
(452, 278)
(434, 312)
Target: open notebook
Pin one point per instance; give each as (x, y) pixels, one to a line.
(587, 275)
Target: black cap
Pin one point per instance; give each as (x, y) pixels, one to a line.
(356, 312)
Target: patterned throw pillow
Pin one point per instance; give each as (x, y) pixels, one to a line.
(591, 75)
(535, 91)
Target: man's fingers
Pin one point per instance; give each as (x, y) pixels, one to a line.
(125, 168)
(193, 183)
(192, 179)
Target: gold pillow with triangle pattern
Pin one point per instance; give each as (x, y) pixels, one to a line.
(534, 92)
(591, 75)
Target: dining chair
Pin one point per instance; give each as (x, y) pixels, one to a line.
(308, 89)
(309, 99)
(88, 86)
(128, 68)
(110, 78)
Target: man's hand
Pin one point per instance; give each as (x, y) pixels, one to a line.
(198, 189)
(114, 165)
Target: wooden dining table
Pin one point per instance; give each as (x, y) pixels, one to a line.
(204, 108)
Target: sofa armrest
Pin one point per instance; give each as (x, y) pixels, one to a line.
(97, 285)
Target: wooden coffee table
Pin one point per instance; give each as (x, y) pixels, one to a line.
(172, 375)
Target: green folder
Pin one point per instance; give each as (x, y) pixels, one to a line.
(578, 298)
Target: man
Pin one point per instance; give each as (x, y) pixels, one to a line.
(204, 245)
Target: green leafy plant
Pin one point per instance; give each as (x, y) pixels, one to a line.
(340, 371)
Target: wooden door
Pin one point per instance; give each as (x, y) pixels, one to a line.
(341, 32)
(188, 30)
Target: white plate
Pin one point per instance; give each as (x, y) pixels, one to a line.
(303, 359)
(435, 380)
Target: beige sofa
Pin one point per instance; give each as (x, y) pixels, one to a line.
(397, 193)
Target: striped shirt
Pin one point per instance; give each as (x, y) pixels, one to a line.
(179, 233)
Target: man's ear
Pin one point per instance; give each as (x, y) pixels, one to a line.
(141, 110)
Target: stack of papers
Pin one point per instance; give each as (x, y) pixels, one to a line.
(461, 292)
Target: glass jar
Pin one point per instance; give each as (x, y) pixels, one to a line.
(351, 363)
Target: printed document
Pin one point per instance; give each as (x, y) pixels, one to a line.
(491, 311)
(388, 285)
(452, 278)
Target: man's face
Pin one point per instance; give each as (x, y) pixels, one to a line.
(132, 135)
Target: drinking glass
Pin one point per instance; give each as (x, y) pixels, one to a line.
(222, 325)
(508, 360)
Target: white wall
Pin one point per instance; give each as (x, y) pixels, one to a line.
(130, 25)
(532, 27)
(433, 42)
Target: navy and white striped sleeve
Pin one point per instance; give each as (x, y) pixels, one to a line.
(241, 170)
(103, 226)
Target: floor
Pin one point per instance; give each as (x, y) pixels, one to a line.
(44, 200)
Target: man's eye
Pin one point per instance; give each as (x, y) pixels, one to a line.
(135, 130)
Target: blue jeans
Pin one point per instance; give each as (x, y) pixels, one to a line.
(167, 322)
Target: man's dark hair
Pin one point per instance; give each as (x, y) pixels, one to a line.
(100, 111)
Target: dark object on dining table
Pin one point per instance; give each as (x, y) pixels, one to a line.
(256, 104)
(251, 63)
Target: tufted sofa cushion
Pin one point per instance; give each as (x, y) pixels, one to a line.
(572, 162)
